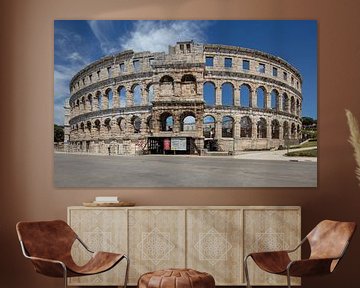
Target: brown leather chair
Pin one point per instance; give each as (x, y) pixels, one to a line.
(48, 245)
(328, 242)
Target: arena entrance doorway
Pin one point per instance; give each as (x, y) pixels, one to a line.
(171, 145)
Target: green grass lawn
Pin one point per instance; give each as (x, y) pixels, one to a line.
(305, 145)
(305, 153)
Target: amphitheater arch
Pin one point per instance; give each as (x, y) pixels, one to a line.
(136, 123)
(136, 91)
(209, 126)
(227, 94)
(293, 130)
(245, 127)
(122, 96)
(275, 129)
(274, 99)
(285, 102)
(292, 105)
(98, 96)
(227, 126)
(188, 121)
(261, 128)
(150, 93)
(209, 91)
(166, 121)
(121, 122)
(261, 97)
(245, 95)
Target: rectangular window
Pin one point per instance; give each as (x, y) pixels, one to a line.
(136, 64)
(182, 47)
(285, 76)
(261, 68)
(292, 80)
(83, 80)
(297, 84)
(228, 62)
(151, 61)
(275, 71)
(122, 67)
(246, 65)
(90, 78)
(109, 71)
(209, 61)
(98, 74)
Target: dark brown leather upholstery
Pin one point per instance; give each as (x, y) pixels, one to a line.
(53, 240)
(176, 278)
(328, 242)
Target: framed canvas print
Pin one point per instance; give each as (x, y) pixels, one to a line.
(185, 103)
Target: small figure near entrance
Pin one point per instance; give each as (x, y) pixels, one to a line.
(109, 150)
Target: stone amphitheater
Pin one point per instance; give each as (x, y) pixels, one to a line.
(195, 99)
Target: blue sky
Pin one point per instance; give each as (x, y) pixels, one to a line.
(79, 42)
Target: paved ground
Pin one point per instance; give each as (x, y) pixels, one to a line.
(73, 170)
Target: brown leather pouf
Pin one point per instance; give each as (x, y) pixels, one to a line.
(176, 278)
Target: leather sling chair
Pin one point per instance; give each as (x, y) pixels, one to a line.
(48, 245)
(328, 242)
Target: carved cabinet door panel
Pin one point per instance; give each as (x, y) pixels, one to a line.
(269, 230)
(101, 230)
(156, 240)
(214, 244)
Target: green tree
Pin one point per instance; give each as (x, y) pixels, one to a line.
(307, 121)
(58, 133)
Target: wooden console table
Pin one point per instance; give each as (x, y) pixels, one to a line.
(211, 239)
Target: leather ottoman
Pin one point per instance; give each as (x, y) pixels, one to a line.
(176, 278)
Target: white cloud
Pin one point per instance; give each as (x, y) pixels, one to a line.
(104, 32)
(158, 35)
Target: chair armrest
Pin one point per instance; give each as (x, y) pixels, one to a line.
(48, 267)
(309, 267)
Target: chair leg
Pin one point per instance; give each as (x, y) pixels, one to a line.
(288, 278)
(65, 276)
(127, 271)
(246, 270)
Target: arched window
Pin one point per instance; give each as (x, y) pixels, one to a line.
(82, 126)
(166, 79)
(149, 124)
(88, 125)
(209, 127)
(97, 124)
(99, 100)
(227, 127)
(109, 97)
(90, 100)
(121, 123)
(166, 86)
(292, 107)
(245, 95)
(260, 96)
(137, 95)
(275, 129)
(83, 102)
(150, 95)
(107, 123)
(188, 123)
(293, 131)
(245, 127)
(227, 94)
(188, 85)
(167, 122)
(261, 128)
(122, 96)
(285, 102)
(136, 122)
(286, 130)
(274, 99)
(297, 107)
(209, 93)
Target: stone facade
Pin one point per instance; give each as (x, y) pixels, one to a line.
(219, 98)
